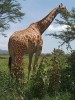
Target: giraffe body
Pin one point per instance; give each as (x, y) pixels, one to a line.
(29, 41)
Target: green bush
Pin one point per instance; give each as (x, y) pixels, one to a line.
(66, 80)
(59, 96)
(53, 80)
(36, 83)
(71, 62)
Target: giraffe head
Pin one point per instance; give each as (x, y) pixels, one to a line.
(62, 9)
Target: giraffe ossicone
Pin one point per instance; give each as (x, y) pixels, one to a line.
(29, 41)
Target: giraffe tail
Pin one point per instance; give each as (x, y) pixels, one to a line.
(9, 63)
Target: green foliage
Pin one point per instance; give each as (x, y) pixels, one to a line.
(53, 80)
(36, 83)
(66, 80)
(10, 11)
(71, 61)
(59, 96)
(67, 35)
(54, 77)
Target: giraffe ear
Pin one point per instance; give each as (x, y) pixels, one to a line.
(59, 6)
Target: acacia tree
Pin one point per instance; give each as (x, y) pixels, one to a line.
(10, 11)
(68, 34)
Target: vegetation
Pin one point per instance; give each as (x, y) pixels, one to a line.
(53, 80)
(10, 11)
(68, 34)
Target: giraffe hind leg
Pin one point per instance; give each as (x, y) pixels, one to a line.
(18, 70)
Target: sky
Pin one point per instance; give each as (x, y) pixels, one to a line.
(34, 11)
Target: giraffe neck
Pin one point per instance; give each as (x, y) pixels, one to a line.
(46, 21)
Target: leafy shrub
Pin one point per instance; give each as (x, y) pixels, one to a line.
(71, 61)
(36, 83)
(54, 74)
(59, 96)
(66, 80)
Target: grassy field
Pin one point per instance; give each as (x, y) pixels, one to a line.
(11, 91)
(4, 64)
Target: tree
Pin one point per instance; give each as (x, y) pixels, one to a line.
(68, 34)
(10, 11)
(59, 51)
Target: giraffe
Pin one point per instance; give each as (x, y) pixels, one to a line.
(29, 41)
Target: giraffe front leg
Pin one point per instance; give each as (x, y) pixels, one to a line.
(29, 66)
(36, 60)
